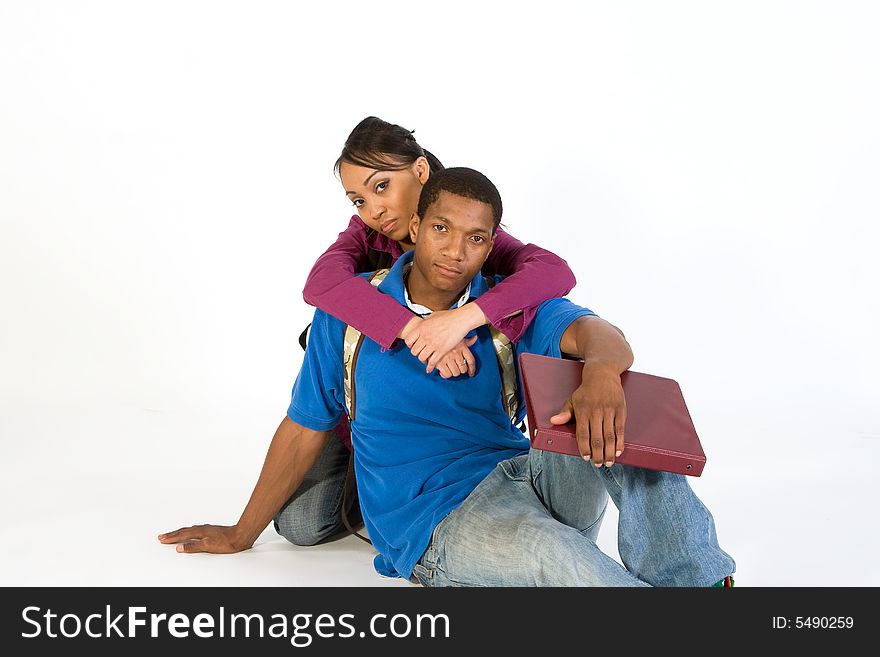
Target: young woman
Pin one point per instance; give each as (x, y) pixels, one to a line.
(382, 169)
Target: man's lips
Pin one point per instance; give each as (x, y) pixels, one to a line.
(388, 226)
(447, 270)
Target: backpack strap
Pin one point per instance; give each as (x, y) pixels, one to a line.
(347, 491)
(304, 336)
(351, 346)
(505, 354)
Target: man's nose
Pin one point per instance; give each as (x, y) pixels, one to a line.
(455, 248)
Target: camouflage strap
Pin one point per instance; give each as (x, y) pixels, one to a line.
(505, 354)
(351, 345)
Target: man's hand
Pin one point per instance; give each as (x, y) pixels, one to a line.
(216, 539)
(432, 338)
(599, 408)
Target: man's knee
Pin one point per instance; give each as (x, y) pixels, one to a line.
(302, 532)
(305, 525)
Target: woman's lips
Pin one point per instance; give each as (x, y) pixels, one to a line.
(388, 226)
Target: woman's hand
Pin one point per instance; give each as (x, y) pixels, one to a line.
(459, 361)
(433, 338)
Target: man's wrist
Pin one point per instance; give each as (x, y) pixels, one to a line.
(599, 365)
(242, 538)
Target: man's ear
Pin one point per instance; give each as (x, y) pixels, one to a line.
(491, 245)
(414, 227)
(422, 169)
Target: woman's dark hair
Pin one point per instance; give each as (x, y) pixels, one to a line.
(377, 144)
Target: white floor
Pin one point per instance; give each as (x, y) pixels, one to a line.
(86, 489)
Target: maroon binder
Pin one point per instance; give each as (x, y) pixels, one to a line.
(659, 432)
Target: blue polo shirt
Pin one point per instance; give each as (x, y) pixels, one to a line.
(422, 443)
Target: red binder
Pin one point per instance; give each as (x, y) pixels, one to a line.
(659, 432)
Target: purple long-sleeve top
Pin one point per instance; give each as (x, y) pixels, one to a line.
(534, 275)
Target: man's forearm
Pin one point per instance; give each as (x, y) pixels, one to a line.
(598, 405)
(598, 343)
(293, 451)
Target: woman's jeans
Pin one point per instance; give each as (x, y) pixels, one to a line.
(313, 513)
(533, 521)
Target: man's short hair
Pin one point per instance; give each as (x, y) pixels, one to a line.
(464, 182)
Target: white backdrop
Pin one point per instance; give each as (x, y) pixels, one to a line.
(708, 170)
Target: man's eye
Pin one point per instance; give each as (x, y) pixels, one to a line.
(440, 228)
(477, 238)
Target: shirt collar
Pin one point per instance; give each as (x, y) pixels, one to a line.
(418, 308)
(393, 285)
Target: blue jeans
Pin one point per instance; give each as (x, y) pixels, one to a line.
(313, 513)
(533, 521)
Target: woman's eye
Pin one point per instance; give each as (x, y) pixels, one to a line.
(358, 202)
(381, 186)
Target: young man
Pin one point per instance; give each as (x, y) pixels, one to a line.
(449, 491)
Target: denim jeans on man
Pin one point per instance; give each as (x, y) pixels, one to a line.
(313, 514)
(534, 520)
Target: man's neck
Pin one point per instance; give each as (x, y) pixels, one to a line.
(425, 294)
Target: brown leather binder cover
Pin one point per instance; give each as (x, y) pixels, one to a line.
(659, 432)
